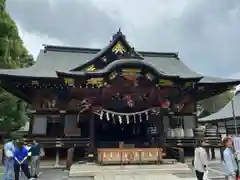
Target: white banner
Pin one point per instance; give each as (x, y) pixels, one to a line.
(236, 143)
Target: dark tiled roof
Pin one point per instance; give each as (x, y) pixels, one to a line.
(63, 59)
(226, 112)
(58, 59)
(49, 62)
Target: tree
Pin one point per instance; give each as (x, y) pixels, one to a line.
(13, 54)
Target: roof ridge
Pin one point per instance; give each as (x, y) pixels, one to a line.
(73, 49)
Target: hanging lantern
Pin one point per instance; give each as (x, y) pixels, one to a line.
(165, 104)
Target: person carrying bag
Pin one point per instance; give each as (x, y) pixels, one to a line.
(200, 161)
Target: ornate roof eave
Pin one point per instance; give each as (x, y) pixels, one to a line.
(110, 67)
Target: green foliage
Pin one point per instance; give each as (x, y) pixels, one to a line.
(13, 54)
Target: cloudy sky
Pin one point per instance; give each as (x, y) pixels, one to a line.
(204, 32)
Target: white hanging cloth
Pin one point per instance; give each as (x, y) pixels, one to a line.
(101, 115)
(108, 118)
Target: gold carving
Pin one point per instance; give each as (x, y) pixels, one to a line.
(188, 84)
(130, 70)
(113, 75)
(91, 68)
(163, 82)
(99, 82)
(119, 48)
(69, 81)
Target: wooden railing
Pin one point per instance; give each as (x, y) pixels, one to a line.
(67, 142)
(191, 142)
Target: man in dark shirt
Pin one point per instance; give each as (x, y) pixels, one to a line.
(35, 158)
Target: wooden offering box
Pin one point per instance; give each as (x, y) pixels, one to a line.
(130, 155)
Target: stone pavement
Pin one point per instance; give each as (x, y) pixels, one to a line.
(176, 171)
(94, 169)
(130, 172)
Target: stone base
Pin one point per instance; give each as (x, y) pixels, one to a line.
(115, 172)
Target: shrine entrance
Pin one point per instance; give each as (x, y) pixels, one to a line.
(111, 133)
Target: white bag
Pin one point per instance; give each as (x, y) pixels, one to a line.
(9, 154)
(205, 175)
(42, 152)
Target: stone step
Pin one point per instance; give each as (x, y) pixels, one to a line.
(137, 177)
(94, 166)
(127, 172)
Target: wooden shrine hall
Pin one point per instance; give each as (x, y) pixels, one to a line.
(115, 105)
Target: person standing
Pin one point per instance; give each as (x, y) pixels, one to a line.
(21, 155)
(35, 159)
(229, 161)
(8, 160)
(200, 160)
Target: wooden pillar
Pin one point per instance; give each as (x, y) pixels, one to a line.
(225, 124)
(31, 126)
(160, 128)
(162, 131)
(91, 150)
(62, 122)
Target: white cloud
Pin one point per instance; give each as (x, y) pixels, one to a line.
(204, 32)
(34, 42)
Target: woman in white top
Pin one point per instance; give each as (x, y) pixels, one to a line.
(230, 164)
(200, 160)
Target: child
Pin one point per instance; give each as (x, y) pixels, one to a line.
(20, 160)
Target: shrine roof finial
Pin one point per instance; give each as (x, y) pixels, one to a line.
(118, 33)
(119, 30)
